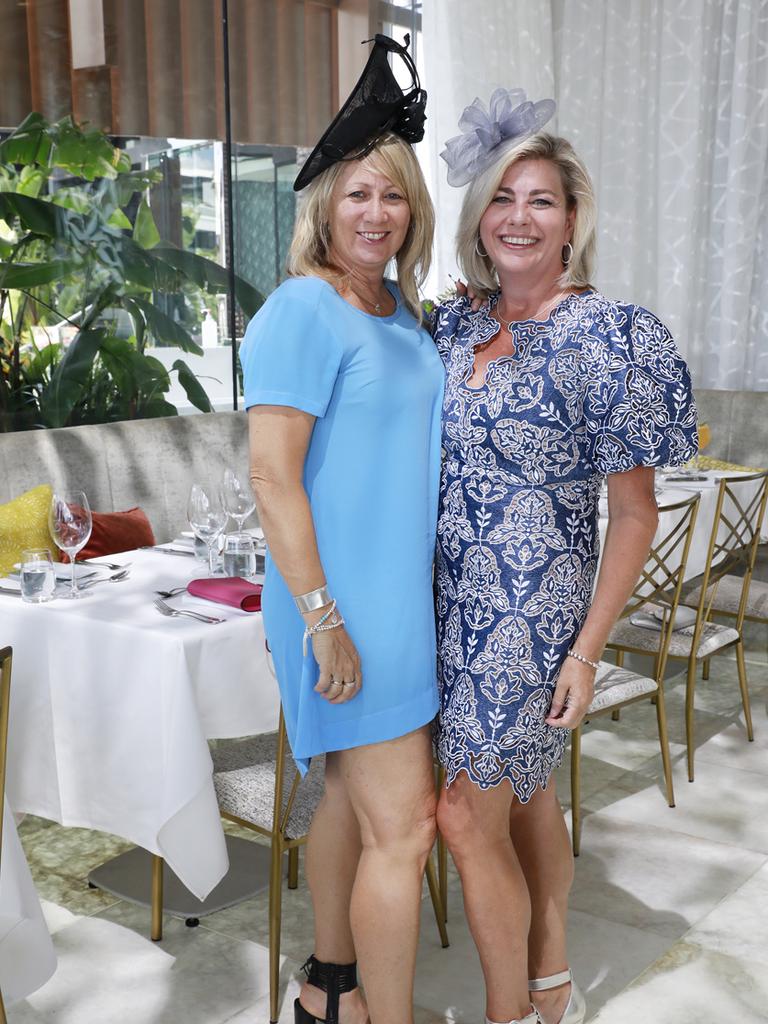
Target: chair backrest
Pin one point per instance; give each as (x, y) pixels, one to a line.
(6, 658)
(662, 576)
(739, 513)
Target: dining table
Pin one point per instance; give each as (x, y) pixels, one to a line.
(113, 704)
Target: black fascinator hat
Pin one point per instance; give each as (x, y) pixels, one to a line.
(376, 105)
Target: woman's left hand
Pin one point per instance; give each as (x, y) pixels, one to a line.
(573, 695)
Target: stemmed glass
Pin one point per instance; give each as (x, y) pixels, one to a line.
(70, 523)
(207, 518)
(238, 499)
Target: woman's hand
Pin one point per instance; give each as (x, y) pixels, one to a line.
(573, 695)
(340, 675)
(462, 290)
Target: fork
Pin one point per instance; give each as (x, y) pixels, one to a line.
(107, 565)
(165, 609)
(118, 576)
(171, 593)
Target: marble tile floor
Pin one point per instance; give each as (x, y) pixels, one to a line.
(669, 907)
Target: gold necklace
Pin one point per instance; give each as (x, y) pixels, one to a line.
(547, 304)
(377, 307)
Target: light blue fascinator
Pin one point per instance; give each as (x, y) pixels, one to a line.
(510, 118)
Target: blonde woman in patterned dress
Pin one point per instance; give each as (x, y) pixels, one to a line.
(550, 387)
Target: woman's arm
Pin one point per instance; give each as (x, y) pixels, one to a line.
(632, 521)
(279, 438)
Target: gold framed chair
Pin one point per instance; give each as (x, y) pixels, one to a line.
(733, 542)
(6, 661)
(659, 588)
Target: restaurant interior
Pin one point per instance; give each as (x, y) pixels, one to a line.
(152, 821)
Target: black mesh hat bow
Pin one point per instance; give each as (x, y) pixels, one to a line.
(376, 105)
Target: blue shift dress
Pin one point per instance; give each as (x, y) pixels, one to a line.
(375, 386)
(596, 388)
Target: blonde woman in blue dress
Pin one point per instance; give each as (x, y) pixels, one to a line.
(550, 387)
(344, 390)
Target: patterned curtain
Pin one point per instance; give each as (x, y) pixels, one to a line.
(667, 102)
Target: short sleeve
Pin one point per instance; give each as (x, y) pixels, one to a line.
(639, 408)
(290, 355)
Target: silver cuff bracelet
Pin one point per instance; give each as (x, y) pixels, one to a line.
(313, 600)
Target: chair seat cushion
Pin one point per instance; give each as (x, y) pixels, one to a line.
(728, 595)
(244, 779)
(615, 686)
(713, 637)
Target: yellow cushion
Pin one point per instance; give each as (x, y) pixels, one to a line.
(24, 524)
(707, 462)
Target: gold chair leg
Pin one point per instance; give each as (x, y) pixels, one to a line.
(157, 898)
(3, 1018)
(293, 867)
(690, 688)
(442, 873)
(742, 667)
(576, 789)
(661, 718)
(705, 668)
(619, 659)
(616, 714)
(275, 922)
(437, 902)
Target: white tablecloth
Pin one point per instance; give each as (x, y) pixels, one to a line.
(673, 491)
(112, 704)
(27, 959)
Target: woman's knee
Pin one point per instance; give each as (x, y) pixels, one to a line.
(468, 818)
(407, 831)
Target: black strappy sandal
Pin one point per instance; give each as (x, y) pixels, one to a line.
(333, 979)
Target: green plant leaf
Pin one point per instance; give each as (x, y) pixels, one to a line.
(88, 153)
(31, 180)
(30, 275)
(69, 378)
(194, 390)
(36, 215)
(29, 143)
(155, 408)
(145, 231)
(163, 328)
(210, 276)
(118, 219)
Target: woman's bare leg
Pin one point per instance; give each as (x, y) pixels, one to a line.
(475, 825)
(332, 856)
(543, 848)
(391, 788)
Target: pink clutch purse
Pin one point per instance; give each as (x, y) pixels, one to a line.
(232, 590)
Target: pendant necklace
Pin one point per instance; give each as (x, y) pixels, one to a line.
(551, 303)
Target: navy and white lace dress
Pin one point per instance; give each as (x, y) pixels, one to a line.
(597, 388)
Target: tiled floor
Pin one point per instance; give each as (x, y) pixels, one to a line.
(669, 905)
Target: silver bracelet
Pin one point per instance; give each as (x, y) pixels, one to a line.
(585, 661)
(330, 620)
(314, 599)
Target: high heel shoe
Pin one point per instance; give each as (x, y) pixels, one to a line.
(531, 1018)
(576, 1009)
(333, 979)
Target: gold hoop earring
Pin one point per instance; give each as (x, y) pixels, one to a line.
(483, 255)
(569, 247)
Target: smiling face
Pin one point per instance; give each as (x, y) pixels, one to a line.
(527, 222)
(369, 218)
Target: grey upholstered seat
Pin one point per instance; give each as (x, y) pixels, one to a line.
(244, 778)
(614, 686)
(728, 595)
(713, 637)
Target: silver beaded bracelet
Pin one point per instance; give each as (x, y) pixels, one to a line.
(330, 620)
(585, 661)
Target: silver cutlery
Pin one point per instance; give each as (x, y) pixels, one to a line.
(10, 590)
(116, 578)
(171, 593)
(103, 565)
(170, 551)
(165, 609)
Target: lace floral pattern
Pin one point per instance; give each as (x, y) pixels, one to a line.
(597, 388)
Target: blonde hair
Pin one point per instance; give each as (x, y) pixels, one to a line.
(310, 252)
(579, 195)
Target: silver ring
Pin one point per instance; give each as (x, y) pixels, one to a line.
(336, 682)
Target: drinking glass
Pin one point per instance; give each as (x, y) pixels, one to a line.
(70, 523)
(237, 497)
(239, 555)
(207, 518)
(36, 575)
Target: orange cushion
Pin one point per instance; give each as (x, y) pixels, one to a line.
(118, 531)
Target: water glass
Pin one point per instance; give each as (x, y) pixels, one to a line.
(38, 581)
(239, 555)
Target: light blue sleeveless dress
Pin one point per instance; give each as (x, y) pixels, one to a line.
(372, 474)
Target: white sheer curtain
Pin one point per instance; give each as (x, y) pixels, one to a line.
(667, 102)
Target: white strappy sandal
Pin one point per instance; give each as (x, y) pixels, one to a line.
(576, 1009)
(531, 1018)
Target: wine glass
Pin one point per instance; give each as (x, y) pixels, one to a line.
(238, 499)
(207, 518)
(70, 523)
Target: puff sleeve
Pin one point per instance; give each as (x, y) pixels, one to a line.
(290, 354)
(639, 408)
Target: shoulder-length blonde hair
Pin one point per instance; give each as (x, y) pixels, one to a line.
(310, 252)
(579, 196)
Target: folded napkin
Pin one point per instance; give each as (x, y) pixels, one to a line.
(232, 590)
